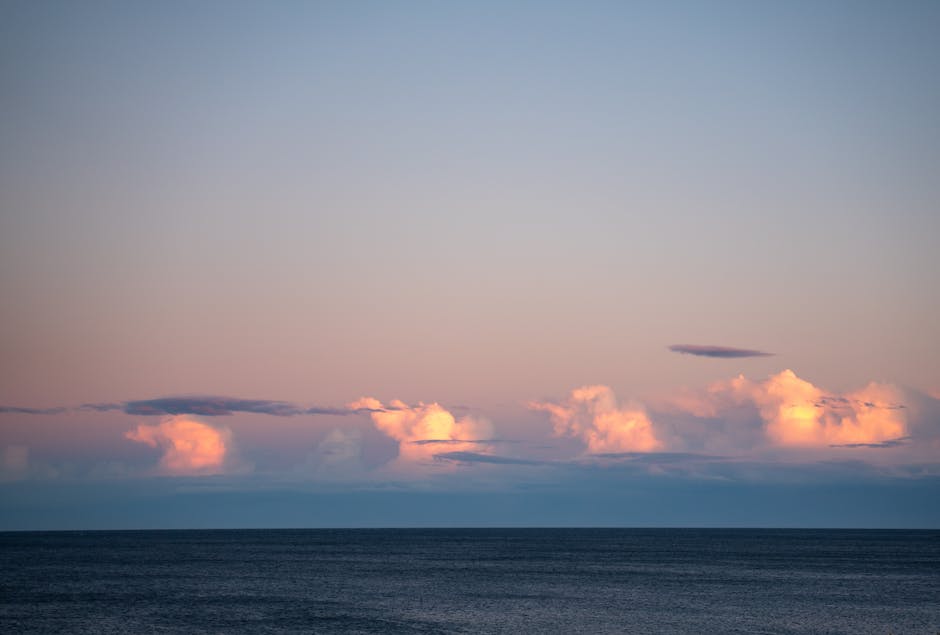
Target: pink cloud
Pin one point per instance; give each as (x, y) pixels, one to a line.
(796, 413)
(592, 414)
(413, 426)
(189, 446)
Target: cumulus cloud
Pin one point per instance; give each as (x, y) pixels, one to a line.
(592, 414)
(341, 445)
(189, 446)
(796, 413)
(769, 419)
(414, 426)
(722, 352)
(338, 456)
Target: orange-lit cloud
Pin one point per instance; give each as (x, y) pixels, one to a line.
(592, 414)
(189, 446)
(797, 413)
(414, 426)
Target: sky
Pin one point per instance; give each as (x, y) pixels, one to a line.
(594, 263)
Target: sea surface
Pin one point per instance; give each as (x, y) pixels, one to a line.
(471, 581)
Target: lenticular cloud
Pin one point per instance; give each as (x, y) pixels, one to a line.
(720, 352)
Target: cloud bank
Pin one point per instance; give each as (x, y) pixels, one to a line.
(753, 424)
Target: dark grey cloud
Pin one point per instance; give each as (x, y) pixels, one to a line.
(101, 407)
(890, 443)
(342, 412)
(721, 352)
(205, 406)
(476, 457)
(210, 406)
(659, 457)
(456, 441)
(836, 403)
(31, 411)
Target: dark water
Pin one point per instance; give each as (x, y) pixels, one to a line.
(469, 581)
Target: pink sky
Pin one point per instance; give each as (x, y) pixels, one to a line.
(455, 244)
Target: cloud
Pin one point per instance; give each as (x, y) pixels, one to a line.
(677, 464)
(659, 457)
(796, 413)
(592, 414)
(189, 446)
(341, 445)
(778, 418)
(31, 411)
(890, 443)
(721, 352)
(220, 406)
(476, 457)
(338, 456)
(98, 407)
(203, 406)
(460, 441)
(413, 426)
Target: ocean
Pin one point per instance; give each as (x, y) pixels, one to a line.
(471, 581)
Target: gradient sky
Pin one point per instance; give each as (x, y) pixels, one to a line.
(469, 263)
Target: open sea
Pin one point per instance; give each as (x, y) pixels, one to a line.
(471, 581)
